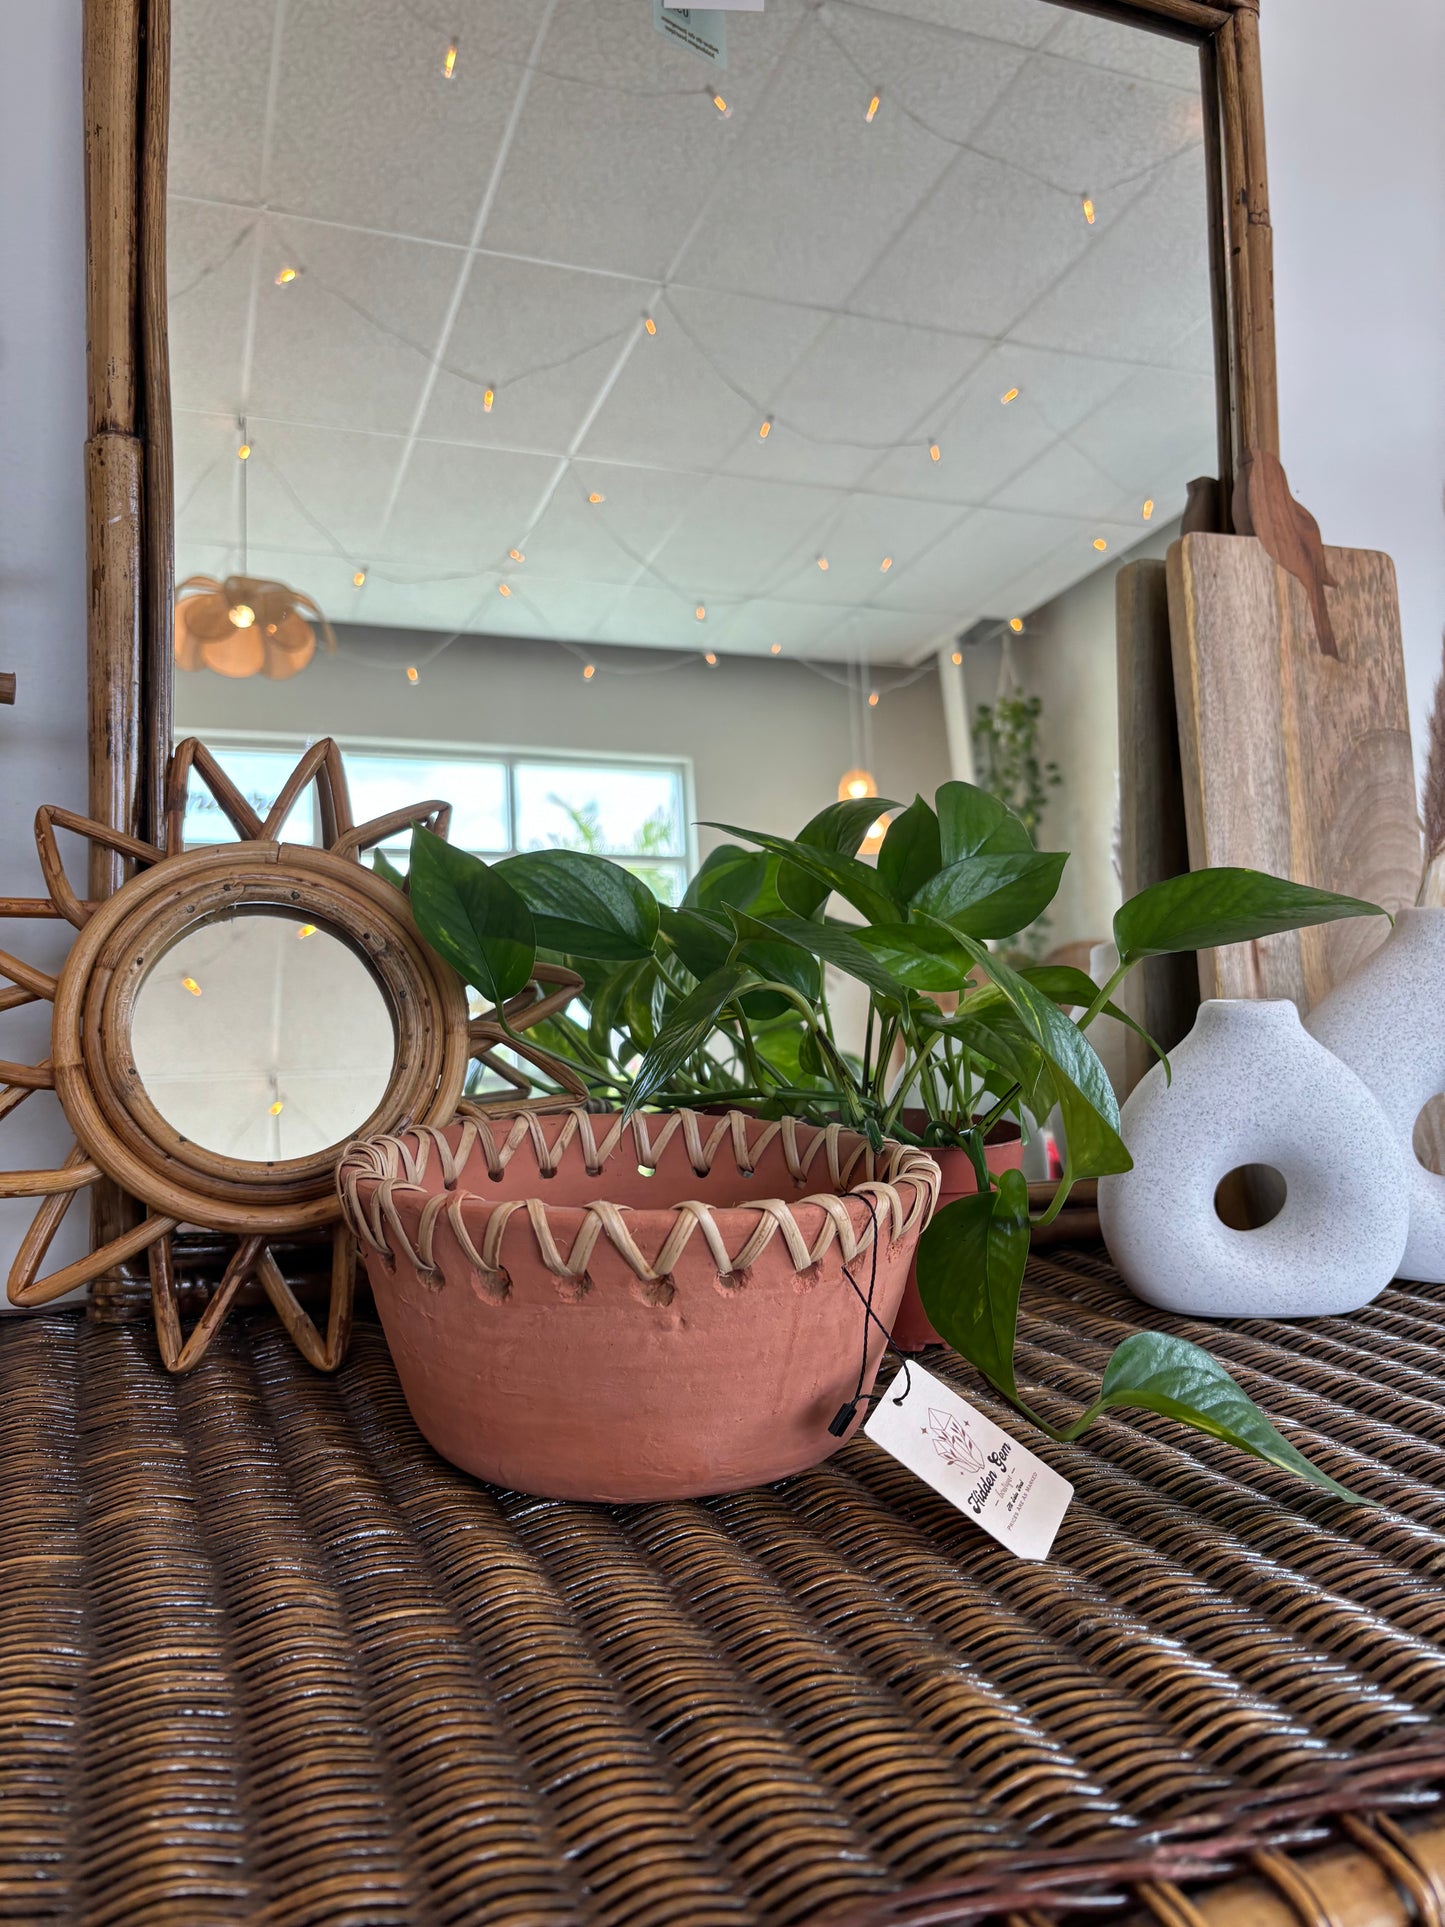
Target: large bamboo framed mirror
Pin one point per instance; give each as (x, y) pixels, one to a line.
(595, 429)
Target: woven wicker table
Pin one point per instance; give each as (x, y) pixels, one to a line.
(265, 1658)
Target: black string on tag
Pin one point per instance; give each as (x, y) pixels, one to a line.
(845, 1414)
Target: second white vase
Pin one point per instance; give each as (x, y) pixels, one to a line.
(1387, 1022)
(1252, 1087)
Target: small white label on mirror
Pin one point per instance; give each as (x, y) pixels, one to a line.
(971, 1462)
(703, 29)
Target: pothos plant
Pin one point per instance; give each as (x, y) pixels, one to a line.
(972, 1039)
(724, 998)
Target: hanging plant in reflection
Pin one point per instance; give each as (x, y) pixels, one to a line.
(246, 625)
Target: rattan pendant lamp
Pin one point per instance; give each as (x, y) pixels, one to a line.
(246, 625)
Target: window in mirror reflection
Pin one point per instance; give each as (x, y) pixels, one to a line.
(633, 813)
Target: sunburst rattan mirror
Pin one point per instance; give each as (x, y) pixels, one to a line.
(173, 1086)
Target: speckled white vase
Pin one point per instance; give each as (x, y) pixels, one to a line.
(1387, 1022)
(1251, 1086)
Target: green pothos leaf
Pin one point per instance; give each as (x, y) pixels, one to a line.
(970, 1271)
(1181, 1381)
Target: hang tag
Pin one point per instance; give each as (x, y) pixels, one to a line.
(701, 29)
(972, 1462)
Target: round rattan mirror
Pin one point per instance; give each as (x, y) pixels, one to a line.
(223, 1025)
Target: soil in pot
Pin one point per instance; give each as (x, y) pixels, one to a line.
(1004, 1151)
(585, 1310)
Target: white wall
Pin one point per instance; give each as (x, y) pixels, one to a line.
(1355, 126)
(42, 523)
(768, 739)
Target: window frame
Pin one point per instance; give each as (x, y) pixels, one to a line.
(292, 743)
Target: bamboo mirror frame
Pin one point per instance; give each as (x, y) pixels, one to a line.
(130, 532)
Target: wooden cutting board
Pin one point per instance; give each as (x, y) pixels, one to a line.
(1293, 761)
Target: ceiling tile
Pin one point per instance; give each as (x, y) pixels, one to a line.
(647, 614)
(1019, 23)
(1084, 129)
(1127, 50)
(986, 548)
(207, 485)
(210, 260)
(1156, 433)
(545, 339)
(320, 488)
(946, 84)
(981, 250)
(220, 65)
(669, 406)
(745, 538)
(459, 508)
(814, 191)
(369, 130)
(1063, 481)
(1050, 573)
(613, 540)
(1157, 249)
(862, 531)
(349, 341)
(984, 442)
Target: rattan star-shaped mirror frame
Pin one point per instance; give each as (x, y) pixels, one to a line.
(119, 1133)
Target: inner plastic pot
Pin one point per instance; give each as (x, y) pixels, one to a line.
(587, 1310)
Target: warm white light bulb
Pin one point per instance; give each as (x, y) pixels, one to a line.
(502, 589)
(649, 324)
(411, 674)
(489, 395)
(285, 276)
(516, 555)
(307, 930)
(700, 612)
(449, 64)
(1016, 623)
(776, 649)
(1009, 394)
(885, 565)
(190, 984)
(243, 453)
(935, 453)
(873, 106)
(358, 578)
(1147, 510)
(710, 659)
(589, 672)
(722, 107)
(957, 658)
(857, 787)
(1100, 544)
(1088, 210)
(766, 429)
(594, 498)
(872, 698)
(277, 1108)
(242, 615)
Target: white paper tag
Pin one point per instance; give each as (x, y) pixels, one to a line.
(702, 29)
(972, 1462)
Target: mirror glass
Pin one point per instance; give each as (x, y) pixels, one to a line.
(261, 1037)
(640, 441)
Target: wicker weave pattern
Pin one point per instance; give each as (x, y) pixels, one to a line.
(377, 1211)
(264, 1658)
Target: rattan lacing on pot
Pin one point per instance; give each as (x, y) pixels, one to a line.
(388, 1204)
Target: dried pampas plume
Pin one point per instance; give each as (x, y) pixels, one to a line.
(1432, 884)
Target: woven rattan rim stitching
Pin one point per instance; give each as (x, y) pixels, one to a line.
(391, 1170)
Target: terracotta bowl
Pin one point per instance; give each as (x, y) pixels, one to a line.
(588, 1310)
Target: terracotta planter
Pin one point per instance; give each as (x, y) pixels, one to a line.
(565, 1324)
(912, 1328)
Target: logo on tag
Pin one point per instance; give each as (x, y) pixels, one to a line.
(701, 29)
(971, 1462)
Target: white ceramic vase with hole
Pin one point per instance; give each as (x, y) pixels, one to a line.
(1387, 1022)
(1252, 1087)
